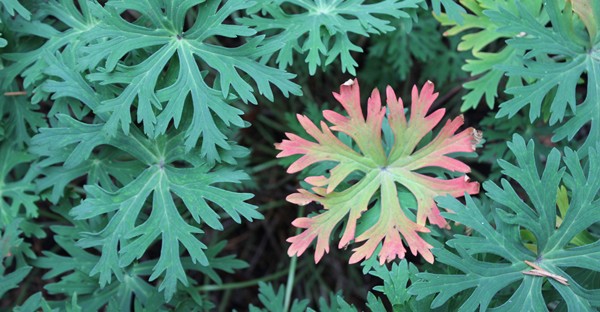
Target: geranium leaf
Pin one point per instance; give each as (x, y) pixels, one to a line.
(556, 58)
(161, 104)
(530, 274)
(382, 173)
(323, 28)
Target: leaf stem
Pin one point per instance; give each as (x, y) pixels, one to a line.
(15, 93)
(244, 284)
(290, 280)
(290, 284)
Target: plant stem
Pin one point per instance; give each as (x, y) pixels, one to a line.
(290, 284)
(264, 165)
(249, 283)
(290, 280)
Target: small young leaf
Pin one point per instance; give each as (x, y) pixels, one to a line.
(274, 301)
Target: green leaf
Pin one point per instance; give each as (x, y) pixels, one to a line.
(184, 55)
(73, 274)
(415, 47)
(395, 287)
(125, 239)
(138, 184)
(491, 278)
(70, 275)
(13, 6)
(273, 301)
(13, 251)
(134, 222)
(395, 281)
(35, 303)
(556, 58)
(481, 34)
(498, 131)
(12, 280)
(28, 58)
(18, 195)
(12, 245)
(336, 304)
(323, 28)
(451, 8)
(21, 119)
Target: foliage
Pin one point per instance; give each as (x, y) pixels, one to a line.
(381, 166)
(11, 245)
(499, 131)
(394, 287)
(134, 175)
(322, 28)
(557, 58)
(12, 7)
(415, 42)
(274, 301)
(481, 42)
(544, 64)
(554, 259)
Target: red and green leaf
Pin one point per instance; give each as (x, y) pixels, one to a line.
(382, 173)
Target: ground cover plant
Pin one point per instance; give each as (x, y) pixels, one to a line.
(208, 155)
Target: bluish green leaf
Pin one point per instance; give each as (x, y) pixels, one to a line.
(322, 29)
(536, 211)
(186, 54)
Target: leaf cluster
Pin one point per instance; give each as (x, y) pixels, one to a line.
(136, 155)
(118, 139)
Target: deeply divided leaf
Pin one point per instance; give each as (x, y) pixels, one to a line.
(322, 29)
(525, 269)
(384, 170)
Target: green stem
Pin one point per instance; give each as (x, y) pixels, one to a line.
(244, 284)
(477, 175)
(264, 165)
(290, 284)
(290, 280)
(225, 300)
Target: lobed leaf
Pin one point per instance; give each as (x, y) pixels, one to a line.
(480, 34)
(451, 8)
(381, 173)
(69, 274)
(130, 231)
(550, 264)
(323, 28)
(416, 46)
(12, 8)
(556, 58)
(184, 55)
(28, 60)
(18, 197)
(275, 301)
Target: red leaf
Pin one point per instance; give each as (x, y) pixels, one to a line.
(382, 172)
